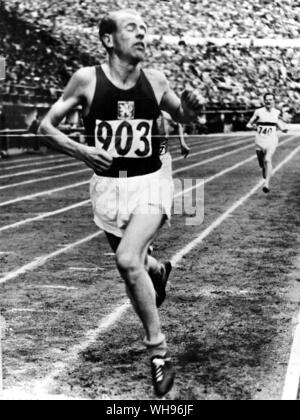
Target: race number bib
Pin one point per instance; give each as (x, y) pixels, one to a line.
(266, 131)
(127, 138)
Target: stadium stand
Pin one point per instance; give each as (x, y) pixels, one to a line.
(44, 45)
(200, 18)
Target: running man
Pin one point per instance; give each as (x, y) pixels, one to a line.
(165, 124)
(265, 121)
(121, 103)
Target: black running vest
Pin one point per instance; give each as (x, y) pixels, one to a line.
(124, 123)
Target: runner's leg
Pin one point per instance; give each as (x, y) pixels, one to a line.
(130, 257)
(153, 266)
(269, 166)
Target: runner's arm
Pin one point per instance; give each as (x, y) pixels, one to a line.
(251, 124)
(185, 150)
(182, 110)
(282, 126)
(73, 96)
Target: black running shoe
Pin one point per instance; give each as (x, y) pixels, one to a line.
(266, 190)
(160, 283)
(163, 375)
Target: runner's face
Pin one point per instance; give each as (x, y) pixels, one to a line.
(130, 38)
(269, 102)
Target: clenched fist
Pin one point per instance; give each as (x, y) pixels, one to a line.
(98, 160)
(192, 102)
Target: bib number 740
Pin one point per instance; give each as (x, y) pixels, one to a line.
(265, 131)
(130, 138)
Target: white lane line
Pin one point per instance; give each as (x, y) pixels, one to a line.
(40, 261)
(45, 215)
(194, 141)
(58, 159)
(55, 287)
(31, 181)
(292, 379)
(193, 144)
(214, 149)
(86, 202)
(45, 161)
(193, 244)
(213, 159)
(48, 192)
(35, 171)
(47, 178)
(42, 387)
(33, 158)
(227, 170)
(86, 269)
(218, 175)
(26, 310)
(211, 138)
(42, 193)
(120, 310)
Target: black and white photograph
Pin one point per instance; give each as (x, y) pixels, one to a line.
(150, 203)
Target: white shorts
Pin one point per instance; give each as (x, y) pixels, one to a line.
(268, 146)
(116, 200)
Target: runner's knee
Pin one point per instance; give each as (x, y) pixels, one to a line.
(129, 264)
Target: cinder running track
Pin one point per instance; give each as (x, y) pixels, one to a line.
(233, 302)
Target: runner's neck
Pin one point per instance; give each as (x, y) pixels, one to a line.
(122, 74)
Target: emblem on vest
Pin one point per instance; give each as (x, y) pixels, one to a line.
(126, 110)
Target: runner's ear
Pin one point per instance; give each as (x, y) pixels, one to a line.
(107, 40)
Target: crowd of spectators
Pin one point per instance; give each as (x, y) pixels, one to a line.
(232, 76)
(201, 18)
(54, 38)
(36, 62)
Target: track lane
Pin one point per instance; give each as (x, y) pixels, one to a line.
(111, 262)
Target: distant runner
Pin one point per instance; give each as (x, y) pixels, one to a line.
(265, 121)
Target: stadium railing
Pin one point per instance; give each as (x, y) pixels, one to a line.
(226, 121)
(19, 141)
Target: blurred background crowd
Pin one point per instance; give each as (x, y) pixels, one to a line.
(45, 41)
(200, 18)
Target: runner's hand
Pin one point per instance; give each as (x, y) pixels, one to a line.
(98, 160)
(192, 103)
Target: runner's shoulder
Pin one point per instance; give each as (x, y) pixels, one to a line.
(84, 76)
(156, 77)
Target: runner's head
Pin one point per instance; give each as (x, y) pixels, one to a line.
(269, 100)
(123, 33)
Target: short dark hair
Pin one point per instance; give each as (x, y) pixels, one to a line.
(268, 94)
(108, 24)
